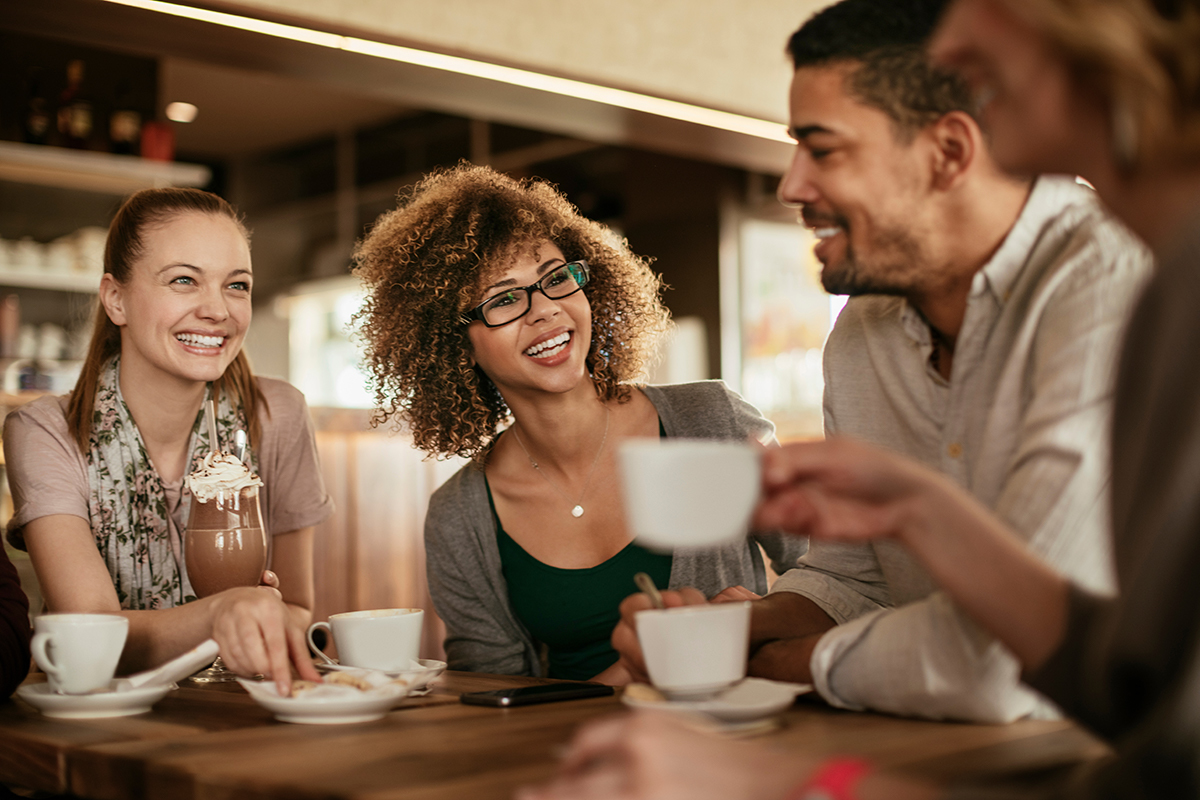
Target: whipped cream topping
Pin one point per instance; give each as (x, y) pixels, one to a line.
(222, 476)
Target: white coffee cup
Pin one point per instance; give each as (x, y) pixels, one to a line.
(688, 492)
(78, 652)
(386, 639)
(695, 651)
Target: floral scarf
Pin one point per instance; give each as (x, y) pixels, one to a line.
(127, 507)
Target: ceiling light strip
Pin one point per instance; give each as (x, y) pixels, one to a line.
(620, 98)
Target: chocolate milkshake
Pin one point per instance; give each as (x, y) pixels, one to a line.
(225, 545)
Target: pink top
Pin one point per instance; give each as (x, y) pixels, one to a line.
(48, 475)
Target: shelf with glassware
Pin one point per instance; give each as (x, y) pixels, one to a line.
(46, 296)
(46, 287)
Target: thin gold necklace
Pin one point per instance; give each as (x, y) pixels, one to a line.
(577, 508)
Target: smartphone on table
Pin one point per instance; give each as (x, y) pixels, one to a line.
(528, 695)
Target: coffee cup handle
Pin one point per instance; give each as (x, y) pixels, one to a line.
(312, 645)
(41, 657)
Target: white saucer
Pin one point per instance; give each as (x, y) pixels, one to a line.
(90, 706)
(329, 705)
(420, 679)
(752, 699)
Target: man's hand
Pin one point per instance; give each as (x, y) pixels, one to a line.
(624, 638)
(838, 489)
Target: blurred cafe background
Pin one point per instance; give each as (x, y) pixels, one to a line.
(309, 115)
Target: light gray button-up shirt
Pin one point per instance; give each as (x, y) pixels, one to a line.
(1022, 424)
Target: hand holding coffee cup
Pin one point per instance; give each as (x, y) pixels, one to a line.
(695, 651)
(688, 492)
(78, 652)
(386, 639)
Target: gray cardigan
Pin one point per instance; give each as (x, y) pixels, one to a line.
(463, 560)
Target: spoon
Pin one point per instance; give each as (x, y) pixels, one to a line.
(240, 445)
(646, 584)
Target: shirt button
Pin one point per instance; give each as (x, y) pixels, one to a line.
(954, 450)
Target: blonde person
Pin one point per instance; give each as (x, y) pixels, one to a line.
(1110, 90)
(492, 302)
(97, 476)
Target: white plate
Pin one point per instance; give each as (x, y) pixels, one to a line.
(420, 679)
(752, 699)
(90, 706)
(329, 705)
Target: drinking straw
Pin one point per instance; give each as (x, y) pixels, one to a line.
(210, 414)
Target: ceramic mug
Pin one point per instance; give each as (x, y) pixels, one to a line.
(688, 492)
(78, 652)
(693, 652)
(386, 639)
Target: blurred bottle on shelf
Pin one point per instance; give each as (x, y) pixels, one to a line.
(158, 141)
(74, 109)
(124, 124)
(37, 112)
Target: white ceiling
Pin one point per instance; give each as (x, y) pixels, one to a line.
(306, 91)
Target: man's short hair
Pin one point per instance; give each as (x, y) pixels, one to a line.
(884, 40)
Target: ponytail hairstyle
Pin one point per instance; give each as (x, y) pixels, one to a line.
(122, 249)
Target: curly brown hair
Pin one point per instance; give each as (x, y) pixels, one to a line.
(422, 265)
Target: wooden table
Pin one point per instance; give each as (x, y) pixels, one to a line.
(215, 742)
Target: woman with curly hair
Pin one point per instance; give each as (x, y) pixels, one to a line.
(492, 299)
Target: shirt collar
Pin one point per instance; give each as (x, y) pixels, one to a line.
(1050, 195)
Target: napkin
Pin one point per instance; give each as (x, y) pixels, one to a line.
(176, 669)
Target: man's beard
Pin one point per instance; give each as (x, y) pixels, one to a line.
(895, 270)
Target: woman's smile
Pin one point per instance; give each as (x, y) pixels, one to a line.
(547, 347)
(200, 343)
(539, 349)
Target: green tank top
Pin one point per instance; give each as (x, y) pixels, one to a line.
(573, 611)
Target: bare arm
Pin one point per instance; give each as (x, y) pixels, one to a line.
(254, 628)
(784, 629)
(846, 491)
(990, 572)
(292, 561)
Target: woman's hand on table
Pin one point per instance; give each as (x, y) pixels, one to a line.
(256, 634)
(659, 756)
(734, 594)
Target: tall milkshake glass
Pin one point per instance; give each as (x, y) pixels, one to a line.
(225, 545)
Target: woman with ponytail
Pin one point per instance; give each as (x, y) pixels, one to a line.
(97, 476)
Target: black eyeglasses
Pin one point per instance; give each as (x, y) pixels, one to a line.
(512, 304)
